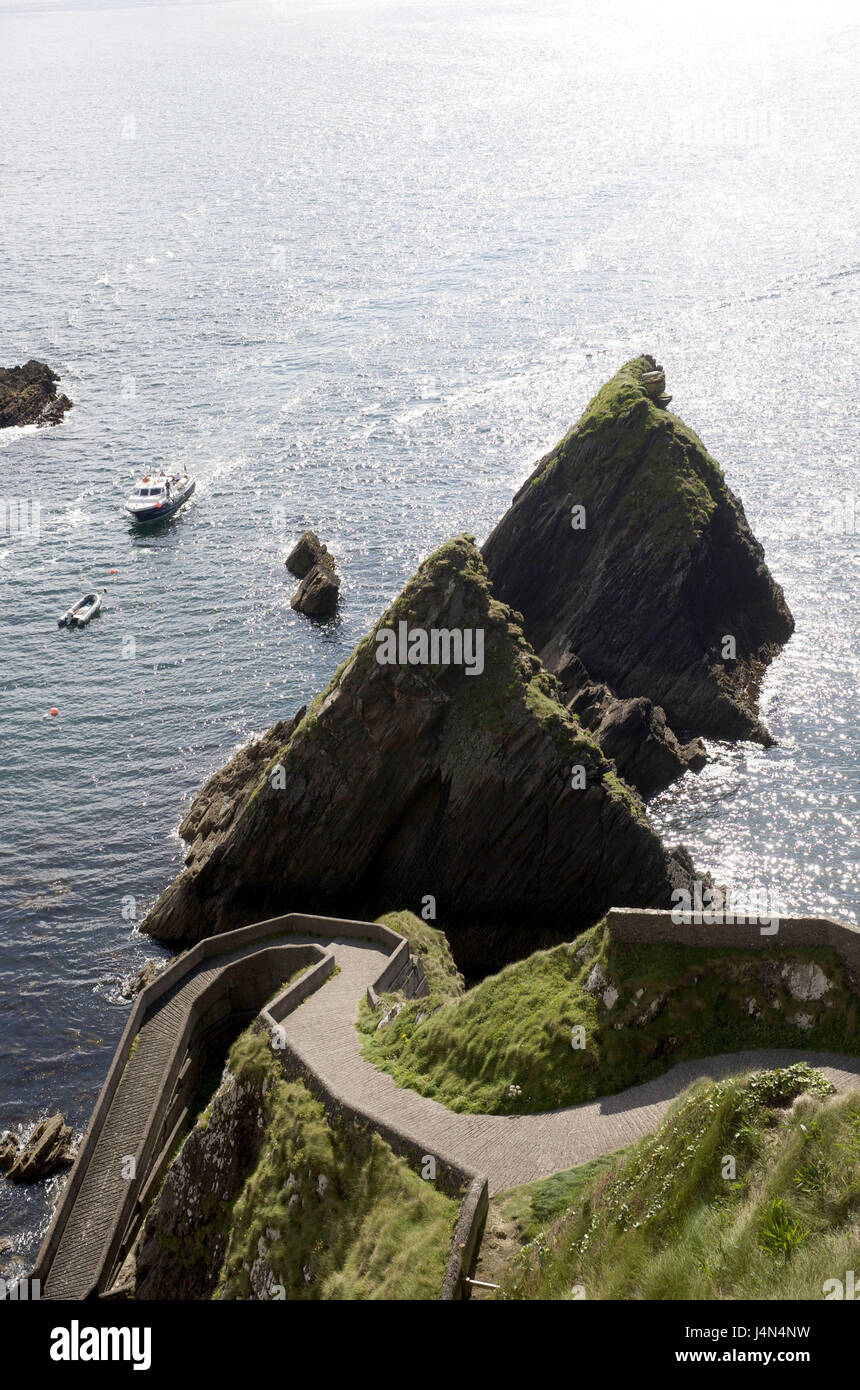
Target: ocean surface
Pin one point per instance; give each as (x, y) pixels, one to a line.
(357, 266)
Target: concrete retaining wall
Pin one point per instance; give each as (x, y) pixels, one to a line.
(235, 993)
(404, 973)
(644, 925)
(467, 1240)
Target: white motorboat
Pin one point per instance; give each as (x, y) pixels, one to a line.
(158, 496)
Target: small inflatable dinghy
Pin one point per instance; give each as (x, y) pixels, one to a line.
(84, 609)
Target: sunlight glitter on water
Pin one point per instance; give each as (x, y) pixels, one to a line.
(371, 316)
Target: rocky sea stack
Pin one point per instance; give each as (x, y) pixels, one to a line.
(28, 396)
(634, 566)
(313, 563)
(472, 785)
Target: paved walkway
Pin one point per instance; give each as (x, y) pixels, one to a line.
(77, 1260)
(509, 1149)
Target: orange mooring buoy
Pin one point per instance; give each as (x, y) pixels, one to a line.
(54, 710)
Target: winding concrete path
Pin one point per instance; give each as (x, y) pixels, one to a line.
(75, 1265)
(509, 1149)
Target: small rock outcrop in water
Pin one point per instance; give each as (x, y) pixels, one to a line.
(310, 561)
(635, 735)
(307, 552)
(629, 556)
(28, 396)
(414, 779)
(318, 593)
(48, 1148)
(10, 1147)
(143, 977)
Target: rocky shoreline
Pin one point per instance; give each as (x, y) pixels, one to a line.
(28, 396)
(50, 1146)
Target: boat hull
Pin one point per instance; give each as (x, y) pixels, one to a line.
(147, 516)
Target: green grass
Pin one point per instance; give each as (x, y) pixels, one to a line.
(514, 1029)
(665, 1219)
(534, 1205)
(363, 1225)
(431, 945)
(672, 484)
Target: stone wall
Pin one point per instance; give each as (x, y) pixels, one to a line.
(639, 925)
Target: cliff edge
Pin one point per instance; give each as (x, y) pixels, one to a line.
(634, 565)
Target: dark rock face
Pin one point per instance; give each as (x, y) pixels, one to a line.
(10, 1147)
(49, 1147)
(307, 552)
(318, 593)
(191, 1212)
(633, 733)
(215, 807)
(645, 585)
(28, 396)
(635, 736)
(408, 780)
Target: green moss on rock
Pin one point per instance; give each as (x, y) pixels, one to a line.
(671, 483)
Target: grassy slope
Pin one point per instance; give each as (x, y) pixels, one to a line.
(674, 484)
(431, 945)
(371, 1229)
(661, 1221)
(514, 1028)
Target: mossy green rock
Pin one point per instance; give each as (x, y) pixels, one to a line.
(407, 781)
(664, 568)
